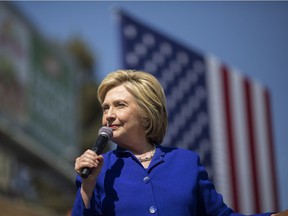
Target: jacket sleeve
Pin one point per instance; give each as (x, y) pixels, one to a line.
(211, 202)
(79, 207)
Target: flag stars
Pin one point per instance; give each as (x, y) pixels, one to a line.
(192, 104)
(204, 148)
(169, 75)
(148, 40)
(132, 59)
(166, 49)
(182, 58)
(175, 67)
(187, 111)
(192, 76)
(201, 93)
(158, 58)
(130, 31)
(203, 119)
(186, 85)
(166, 78)
(150, 66)
(183, 87)
(140, 49)
(198, 67)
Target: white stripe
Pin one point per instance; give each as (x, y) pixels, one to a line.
(217, 125)
(242, 156)
(263, 161)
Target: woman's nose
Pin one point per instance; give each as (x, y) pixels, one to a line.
(110, 115)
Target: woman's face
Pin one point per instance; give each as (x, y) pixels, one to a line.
(121, 112)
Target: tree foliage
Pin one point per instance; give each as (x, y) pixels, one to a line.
(90, 109)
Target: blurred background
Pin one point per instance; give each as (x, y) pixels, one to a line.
(54, 54)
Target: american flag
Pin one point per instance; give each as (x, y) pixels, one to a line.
(214, 110)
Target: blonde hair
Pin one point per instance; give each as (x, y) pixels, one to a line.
(149, 96)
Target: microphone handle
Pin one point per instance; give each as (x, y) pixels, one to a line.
(98, 149)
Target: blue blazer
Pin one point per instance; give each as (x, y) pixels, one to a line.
(174, 184)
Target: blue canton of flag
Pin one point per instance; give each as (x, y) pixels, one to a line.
(181, 73)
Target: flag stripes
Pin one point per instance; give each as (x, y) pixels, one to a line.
(241, 144)
(225, 75)
(220, 157)
(270, 139)
(262, 146)
(251, 141)
(243, 117)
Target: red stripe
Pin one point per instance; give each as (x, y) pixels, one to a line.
(271, 149)
(230, 136)
(251, 142)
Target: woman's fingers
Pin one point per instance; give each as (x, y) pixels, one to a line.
(87, 159)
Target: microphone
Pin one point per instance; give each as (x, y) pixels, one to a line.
(105, 134)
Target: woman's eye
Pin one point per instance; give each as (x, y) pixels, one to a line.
(105, 108)
(121, 105)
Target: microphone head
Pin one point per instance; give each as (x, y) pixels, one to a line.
(106, 131)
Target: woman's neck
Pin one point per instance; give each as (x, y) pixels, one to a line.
(139, 147)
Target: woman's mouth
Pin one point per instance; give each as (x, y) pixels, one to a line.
(113, 126)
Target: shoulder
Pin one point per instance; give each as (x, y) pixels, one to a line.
(110, 157)
(108, 154)
(179, 153)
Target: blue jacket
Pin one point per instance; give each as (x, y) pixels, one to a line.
(175, 184)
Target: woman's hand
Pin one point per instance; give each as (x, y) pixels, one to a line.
(95, 162)
(89, 159)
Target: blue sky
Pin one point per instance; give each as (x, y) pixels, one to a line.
(250, 36)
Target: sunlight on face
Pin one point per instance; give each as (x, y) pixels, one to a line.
(121, 111)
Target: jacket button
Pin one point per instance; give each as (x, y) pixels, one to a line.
(146, 179)
(152, 209)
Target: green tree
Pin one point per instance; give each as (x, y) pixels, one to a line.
(82, 54)
(90, 109)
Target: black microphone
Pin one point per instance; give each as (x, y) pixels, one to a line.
(105, 134)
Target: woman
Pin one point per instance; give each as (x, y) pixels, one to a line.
(141, 177)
